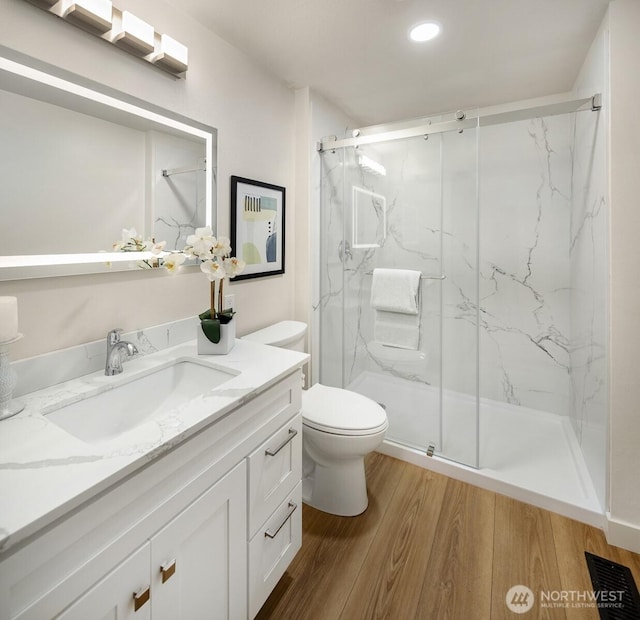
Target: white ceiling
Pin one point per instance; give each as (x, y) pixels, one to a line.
(356, 52)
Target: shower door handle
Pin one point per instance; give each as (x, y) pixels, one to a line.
(344, 251)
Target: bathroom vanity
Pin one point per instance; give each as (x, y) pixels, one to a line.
(189, 513)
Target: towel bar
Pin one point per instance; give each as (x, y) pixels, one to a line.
(422, 277)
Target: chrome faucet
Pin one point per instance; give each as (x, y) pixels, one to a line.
(115, 346)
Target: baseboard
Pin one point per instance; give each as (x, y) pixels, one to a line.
(622, 534)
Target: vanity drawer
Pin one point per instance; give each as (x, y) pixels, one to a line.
(275, 468)
(273, 548)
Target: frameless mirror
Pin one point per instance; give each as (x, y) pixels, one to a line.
(81, 162)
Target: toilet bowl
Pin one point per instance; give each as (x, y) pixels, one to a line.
(339, 428)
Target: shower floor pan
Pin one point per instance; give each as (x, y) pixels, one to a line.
(530, 455)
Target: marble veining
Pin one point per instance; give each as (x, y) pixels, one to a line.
(45, 470)
(507, 253)
(46, 463)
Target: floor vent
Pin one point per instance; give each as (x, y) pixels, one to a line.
(617, 593)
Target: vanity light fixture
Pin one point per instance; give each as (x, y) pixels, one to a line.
(171, 54)
(94, 14)
(424, 31)
(44, 4)
(133, 34)
(123, 29)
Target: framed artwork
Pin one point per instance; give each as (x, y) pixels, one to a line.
(257, 227)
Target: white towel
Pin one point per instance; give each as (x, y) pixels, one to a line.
(395, 290)
(394, 329)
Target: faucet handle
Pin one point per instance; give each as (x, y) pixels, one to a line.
(114, 336)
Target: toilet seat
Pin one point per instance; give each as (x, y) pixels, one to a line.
(341, 412)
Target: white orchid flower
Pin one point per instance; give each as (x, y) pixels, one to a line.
(202, 234)
(222, 247)
(154, 247)
(128, 234)
(173, 261)
(233, 266)
(200, 244)
(202, 248)
(213, 270)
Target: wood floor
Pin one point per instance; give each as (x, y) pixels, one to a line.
(433, 548)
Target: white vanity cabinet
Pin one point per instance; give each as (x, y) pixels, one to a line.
(204, 531)
(110, 597)
(198, 558)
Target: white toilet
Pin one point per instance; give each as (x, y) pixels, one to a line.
(339, 429)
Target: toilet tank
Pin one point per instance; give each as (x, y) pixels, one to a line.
(286, 334)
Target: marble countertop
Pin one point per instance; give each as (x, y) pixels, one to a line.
(45, 472)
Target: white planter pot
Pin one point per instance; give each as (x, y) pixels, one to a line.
(227, 340)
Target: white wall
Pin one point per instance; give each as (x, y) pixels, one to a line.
(624, 522)
(255, 141)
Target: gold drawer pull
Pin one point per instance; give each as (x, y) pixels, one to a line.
(167, 570)
(292, 509)
(141, 597)
(292, 434)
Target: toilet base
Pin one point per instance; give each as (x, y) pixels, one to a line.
(340, 490)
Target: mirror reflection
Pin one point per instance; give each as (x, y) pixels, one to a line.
(79, 165)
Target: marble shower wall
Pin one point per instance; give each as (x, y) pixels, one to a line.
(400, 214)
(492, 209)
(525, 274)
(407, 200)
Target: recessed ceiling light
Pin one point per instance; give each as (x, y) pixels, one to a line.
(424, 31)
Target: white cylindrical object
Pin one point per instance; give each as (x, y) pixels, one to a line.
(8, 318)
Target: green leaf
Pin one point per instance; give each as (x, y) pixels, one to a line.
(211, 329)
(225, 316)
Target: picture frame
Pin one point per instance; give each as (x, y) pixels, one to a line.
(258, 227)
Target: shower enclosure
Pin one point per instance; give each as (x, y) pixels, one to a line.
(493, 211)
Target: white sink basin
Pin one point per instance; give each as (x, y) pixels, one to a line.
(108, 414)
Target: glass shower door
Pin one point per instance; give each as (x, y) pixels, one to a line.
(381, 208)
(405, 204)
(460, 319)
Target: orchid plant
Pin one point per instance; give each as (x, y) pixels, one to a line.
(217, 264)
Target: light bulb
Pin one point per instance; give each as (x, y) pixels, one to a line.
(424, 32)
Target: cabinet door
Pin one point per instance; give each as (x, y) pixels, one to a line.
(113, 598)
(198, 561)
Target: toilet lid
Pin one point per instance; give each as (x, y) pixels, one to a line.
(341, 412)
